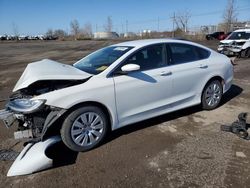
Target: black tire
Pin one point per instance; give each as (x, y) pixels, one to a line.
(74, 118)
(217, 95)
(246, 53)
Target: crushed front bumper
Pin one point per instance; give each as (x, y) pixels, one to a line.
(229, 50)
(7, 117)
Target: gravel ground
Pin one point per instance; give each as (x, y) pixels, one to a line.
(181, 149)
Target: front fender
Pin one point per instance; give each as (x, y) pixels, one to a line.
(95, 90)
(246, 45)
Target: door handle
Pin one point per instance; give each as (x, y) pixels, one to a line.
(203, 66)
(166, 73)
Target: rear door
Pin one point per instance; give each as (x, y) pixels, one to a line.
(189, 65)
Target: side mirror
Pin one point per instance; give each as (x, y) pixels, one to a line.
(130, 68)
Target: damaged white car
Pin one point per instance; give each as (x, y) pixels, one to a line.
(236, 44)
(113, 87)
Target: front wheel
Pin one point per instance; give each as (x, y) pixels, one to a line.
(245, 53)
(84, 128)
(211, 95)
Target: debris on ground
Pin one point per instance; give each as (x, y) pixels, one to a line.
(239, 127)
(240, 154)
(8, 155)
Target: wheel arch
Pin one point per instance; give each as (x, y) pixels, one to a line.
(56, 126)
(97, 104)
(216, 77)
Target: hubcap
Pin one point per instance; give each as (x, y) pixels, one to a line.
(213, 94)
(87, 129)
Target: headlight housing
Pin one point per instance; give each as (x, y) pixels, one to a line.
(26, 105)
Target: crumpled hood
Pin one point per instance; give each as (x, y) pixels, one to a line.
(48, 70)
(231, 41)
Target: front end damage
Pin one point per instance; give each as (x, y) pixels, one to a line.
(233, 48)
(34, 117)
(36, 120)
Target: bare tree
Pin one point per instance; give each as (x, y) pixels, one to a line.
(15, 30)
(182, 19)
(75, 28)
(204, 29)
(61, 34)
(49, 32)
(230, 15)
(87, 29)
(109, 24)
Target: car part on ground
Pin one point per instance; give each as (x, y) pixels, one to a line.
(239, 127)
(33, 158)
(236, 44)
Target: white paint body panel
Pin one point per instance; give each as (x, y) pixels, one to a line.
(144, 94)
(48, 70)
(33, 158)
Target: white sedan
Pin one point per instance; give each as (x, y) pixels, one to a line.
(114, 87)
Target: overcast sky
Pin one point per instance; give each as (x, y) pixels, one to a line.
(37, 16)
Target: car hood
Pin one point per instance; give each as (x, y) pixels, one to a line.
(48, 70)
(231, 41)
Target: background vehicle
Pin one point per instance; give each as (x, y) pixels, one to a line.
(116, 86)
(222, 37)
(216, 35)
(236, 44)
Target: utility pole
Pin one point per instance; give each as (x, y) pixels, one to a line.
(173, 34)
(158, 25)
(126, 26)
(96, 26)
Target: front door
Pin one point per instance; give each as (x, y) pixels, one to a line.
(145, 93)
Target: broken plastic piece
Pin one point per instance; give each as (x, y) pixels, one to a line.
(33, 158)
(23, 134)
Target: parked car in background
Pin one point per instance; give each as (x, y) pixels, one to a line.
(236, 44)
(215, 35)
(114, 87)
(3, 37)
(222, 37)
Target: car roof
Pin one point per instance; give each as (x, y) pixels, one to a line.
(242, 30)
(146, 42)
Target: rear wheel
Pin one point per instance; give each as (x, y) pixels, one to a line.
(212, 95)
(84, 128)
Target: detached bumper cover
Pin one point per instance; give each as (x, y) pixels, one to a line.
(7, 117)
(33, 158)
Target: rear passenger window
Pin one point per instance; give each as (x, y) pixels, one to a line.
(203, 53)
(184, 53)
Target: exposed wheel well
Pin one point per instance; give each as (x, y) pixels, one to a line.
(55, 128)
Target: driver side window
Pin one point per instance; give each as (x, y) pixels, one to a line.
(150, 57)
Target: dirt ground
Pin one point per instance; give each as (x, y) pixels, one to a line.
(181, 149)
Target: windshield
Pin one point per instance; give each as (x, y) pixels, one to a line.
(101, 59)
(239, 36)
